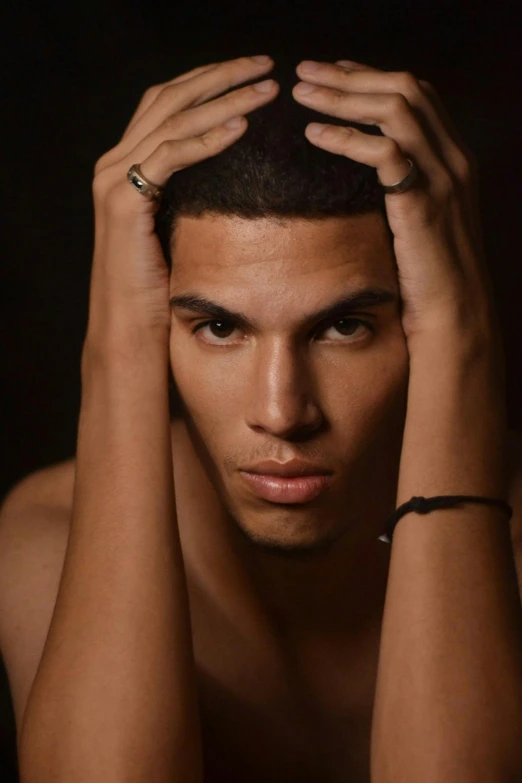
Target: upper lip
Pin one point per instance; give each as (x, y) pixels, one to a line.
(293, 467)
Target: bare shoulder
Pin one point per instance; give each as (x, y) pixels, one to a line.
(51, 486)
(34, 529)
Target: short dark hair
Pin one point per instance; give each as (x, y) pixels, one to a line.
(272, 170)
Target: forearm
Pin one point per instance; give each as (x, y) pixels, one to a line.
(115, 695)
(449, 691)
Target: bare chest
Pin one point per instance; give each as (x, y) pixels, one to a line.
(242, 741)
(269, 720)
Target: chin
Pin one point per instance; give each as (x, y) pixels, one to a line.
(285, 532)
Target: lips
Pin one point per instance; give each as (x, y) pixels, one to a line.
(286, 489)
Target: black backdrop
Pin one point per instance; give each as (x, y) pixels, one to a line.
(75, 73)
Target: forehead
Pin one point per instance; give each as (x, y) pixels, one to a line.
(282, 259)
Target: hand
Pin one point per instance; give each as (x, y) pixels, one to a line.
(437, 238)
(175, 125)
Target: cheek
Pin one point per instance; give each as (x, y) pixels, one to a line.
(370, 397)
(389, 385)
(208, 387)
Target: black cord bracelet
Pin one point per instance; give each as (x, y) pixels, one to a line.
(423, 505)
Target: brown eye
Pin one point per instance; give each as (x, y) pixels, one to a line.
(348, 327)
(219, 329)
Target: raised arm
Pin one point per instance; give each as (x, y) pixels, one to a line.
(448, 706)
(114, 698)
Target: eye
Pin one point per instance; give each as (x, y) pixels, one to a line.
(344, 327)
(219, 329)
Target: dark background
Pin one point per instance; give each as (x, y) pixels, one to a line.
(75, 73)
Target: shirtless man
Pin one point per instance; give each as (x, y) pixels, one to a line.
(166, 615)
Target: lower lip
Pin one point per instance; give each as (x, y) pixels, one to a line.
(279, 489)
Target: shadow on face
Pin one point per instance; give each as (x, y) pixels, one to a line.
(286, 341)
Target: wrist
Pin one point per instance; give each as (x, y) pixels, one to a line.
(455, 430)
(125, 346)
(458, 343)
(468, 314)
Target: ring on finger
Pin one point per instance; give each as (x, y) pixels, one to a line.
(403, 184)
(142, 184)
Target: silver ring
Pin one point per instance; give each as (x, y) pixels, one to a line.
(404, 184)
(142, 185)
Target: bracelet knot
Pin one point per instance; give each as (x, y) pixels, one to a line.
(423, 505)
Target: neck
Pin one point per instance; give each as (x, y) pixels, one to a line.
(325, 593)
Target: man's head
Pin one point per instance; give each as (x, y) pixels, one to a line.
(275, 231)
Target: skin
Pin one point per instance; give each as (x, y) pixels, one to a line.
(337, 398)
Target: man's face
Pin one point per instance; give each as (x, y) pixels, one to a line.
(289, 384)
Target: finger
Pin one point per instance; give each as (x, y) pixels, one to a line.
(176, 97)
(203, 119)
(193, 122)
(172, 155)
(352, 64)
(446, 120)
(390, 111)
(421, 96)
(433, 95)
(150, 95)
(381, 152)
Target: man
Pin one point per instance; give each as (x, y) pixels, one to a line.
(209, 614)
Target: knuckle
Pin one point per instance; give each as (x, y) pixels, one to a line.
(346, 132)
(166, 92)
(444, 185)
(465, 165)
(104, 160)
(166, 148)
(171, 123)
(339, 97)
(427, 87)
(398, 103)
(408, 82)
(153, 91)
(208, 141)
(462, 165)
(101, 184)
(392, 149)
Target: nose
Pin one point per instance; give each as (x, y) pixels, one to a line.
(282, 400)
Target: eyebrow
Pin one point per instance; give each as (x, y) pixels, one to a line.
(355, 300)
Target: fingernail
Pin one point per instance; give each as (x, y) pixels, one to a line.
(309, 65)
(303, 88)
(266, 86)
(349, 64)
(262, 59)
(234, 123)
(315, 128)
